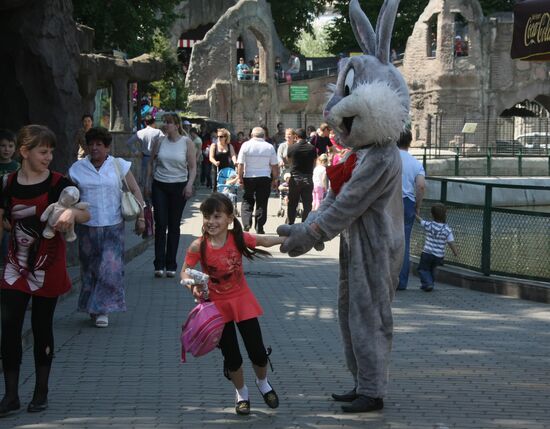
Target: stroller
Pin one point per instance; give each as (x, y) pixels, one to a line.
(228, 185)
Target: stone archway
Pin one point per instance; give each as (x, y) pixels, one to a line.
(212, 79)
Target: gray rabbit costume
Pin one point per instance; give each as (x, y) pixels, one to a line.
(369, 110)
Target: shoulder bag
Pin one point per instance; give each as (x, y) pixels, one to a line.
(129, 205)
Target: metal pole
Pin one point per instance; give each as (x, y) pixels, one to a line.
(457, 160)
(486, 232)
(520, 166)
(488, 161)
(443, 194)
(424, 161)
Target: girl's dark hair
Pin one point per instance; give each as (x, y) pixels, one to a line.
(439, 212)
(99, 133)
(218, 202)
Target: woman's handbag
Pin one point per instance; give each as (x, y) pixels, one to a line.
(149, 222)
(129, 204)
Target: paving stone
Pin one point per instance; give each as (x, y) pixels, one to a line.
(461, 359)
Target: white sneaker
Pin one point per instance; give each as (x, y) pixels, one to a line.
(159, 273)
(170, 274)
(102, 321)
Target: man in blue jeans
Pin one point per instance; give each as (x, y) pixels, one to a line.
(414, 185)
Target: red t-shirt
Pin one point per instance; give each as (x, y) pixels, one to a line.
(227, 286)
(34, 265)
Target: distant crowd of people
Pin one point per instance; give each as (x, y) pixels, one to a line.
(251, 70)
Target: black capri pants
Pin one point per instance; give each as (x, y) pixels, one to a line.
(253, 342)
(13, 305)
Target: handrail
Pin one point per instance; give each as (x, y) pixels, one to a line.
(494, 185)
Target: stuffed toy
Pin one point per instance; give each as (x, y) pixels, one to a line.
(369, 110)
(69, 198)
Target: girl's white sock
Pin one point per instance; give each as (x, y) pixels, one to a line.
(263, 385)
(242, 394)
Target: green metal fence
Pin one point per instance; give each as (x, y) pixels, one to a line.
(489, 156)
(509, 241)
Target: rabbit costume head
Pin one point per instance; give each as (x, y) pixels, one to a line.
(370, 101)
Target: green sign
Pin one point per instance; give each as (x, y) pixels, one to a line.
(299, 93)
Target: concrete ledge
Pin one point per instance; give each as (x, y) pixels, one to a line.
(515, 288)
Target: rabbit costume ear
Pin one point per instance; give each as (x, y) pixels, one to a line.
(371, 43)
(384, 28)
(362, 28)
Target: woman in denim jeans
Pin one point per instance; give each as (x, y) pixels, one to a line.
(173, 169)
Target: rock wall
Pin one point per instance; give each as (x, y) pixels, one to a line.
(194, 13)
(479, 85)
(39, 70)
(212, 79)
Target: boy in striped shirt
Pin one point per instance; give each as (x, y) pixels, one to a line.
(438, 234)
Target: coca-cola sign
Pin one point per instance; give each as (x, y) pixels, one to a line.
(531, 40)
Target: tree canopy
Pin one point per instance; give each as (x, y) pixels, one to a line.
(293, 16)
(340, 34)
(128, 25)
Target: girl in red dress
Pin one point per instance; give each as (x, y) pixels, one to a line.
(35, 268)
(220, 251)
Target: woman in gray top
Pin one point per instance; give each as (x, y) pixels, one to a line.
(173, 168)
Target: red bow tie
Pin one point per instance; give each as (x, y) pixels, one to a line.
(340, 173)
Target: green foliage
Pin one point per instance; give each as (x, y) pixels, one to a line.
(291, 17)
(173, 94)
(340, 34)
(127, 25)
(315, 44)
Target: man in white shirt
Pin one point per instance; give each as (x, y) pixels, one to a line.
(145, 137)
(258, 172)
(414, 186)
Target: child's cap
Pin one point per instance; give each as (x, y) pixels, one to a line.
(286, 176)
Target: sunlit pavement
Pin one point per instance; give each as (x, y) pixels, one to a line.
(461, 359)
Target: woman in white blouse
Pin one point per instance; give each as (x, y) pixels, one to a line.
(173, 168)
(101, 240)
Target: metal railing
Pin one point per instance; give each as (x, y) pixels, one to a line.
(308, 74)
(488, 155)
(502, 240)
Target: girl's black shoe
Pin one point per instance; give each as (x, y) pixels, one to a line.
(9, 407)
(242, 408)
(38, 406)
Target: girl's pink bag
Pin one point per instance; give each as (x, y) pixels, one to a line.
(202, 331)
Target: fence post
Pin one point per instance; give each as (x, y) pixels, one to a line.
(548, 161)
(425, 162)
(488, 161)
(520, 163)
(486, 232)
(443, 195)
(457, 160)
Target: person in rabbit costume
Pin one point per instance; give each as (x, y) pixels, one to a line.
(368, 109)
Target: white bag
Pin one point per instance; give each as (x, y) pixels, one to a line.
(129, 204)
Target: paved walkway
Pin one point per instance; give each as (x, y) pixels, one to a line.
(461, 359)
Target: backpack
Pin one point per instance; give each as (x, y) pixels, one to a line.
(202, 330)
